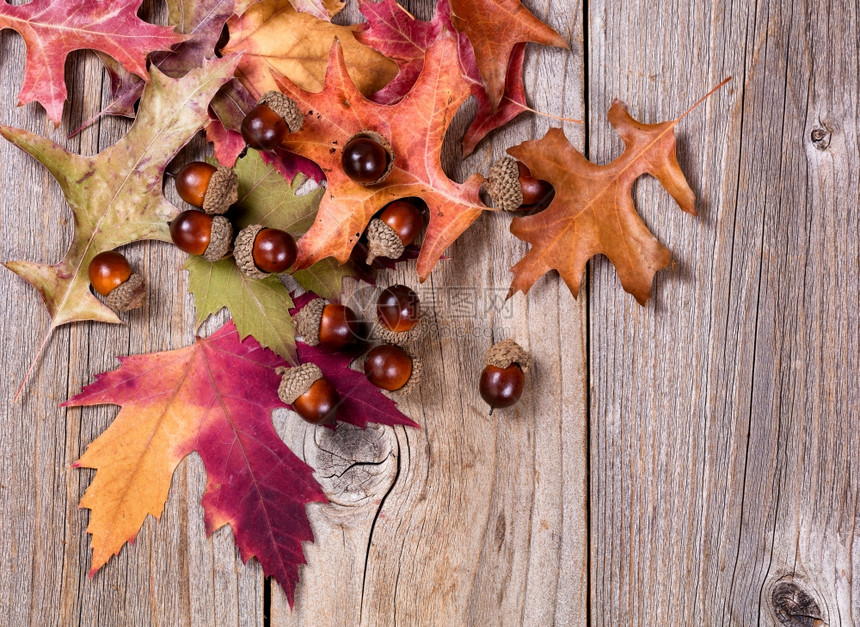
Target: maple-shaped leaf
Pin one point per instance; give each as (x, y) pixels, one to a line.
(115, 196)
(494, 27)
(260, 307)
(398, 35)
(415, 128)
(361, 402)
(265, 197)
(214, 397)
(276, 39)
(52, 29)
(592, 212)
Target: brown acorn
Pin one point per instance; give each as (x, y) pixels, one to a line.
(327, 324)
(398, 316)
(312, 396)
(111, 276)
(209, 188)
(367, 158)
(266, 125)
(198, 233)
(393, 368)
(503, 377)
(260, 251)
(503, 185)
(397, 226)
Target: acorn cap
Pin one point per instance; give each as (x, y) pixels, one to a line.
(285, 107)
(297, 380)
(414, 380)
(220, 239)
(243, 251)
(382, 241)
(381, 333)
(222, 192)
(508, 352)
(308, 321)
(128, 295)
(381, 139)
(503, 185)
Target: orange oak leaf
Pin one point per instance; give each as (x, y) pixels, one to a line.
(494, 27)
(214, 397)
(276, 39)
(415, 127)
(592, 212)
(52, 29)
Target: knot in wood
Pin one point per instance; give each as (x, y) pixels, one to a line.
(795, 607)
(820, 137)
(355, 466)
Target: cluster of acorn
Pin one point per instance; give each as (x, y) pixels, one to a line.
(391, 365)
(368, 159)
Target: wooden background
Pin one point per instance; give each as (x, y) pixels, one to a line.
(693, 462)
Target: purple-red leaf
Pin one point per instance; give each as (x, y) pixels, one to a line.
(52, 29)
(214, 397)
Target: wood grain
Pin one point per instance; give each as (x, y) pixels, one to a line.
(173, 574)
(724, 416)
(473, 519)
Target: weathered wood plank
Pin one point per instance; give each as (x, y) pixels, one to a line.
(724, 414)
(473, 519)
(173, 574)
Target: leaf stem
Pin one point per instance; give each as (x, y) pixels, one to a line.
(703, 98)
(33, 364)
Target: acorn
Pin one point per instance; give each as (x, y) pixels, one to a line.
(266, 125)
(397, 226)
(503, 185)
(535, 191)
(367, 158)
(327, 324)
(398, 316)
(202, 185)
(112, 277)
(503, 377)
(512, 187)
(310, 394)
(198, 233)
(393, 368)
(261, 251)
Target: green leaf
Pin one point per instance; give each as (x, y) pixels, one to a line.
(115, 196)
(325, 277)
(259, 307)
(266, 198)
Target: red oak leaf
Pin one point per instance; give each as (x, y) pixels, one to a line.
(415, 127)
(404, 39)
(494, 27)
(52, 29)
(214, 397)
(201, 21)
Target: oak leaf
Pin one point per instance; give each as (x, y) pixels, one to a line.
(115, 196)
(415, 128)
(214, 397)
(201, 21)
(276, 39)
(404, 39)
(592, 212)
(494, 27)
(52, 29)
